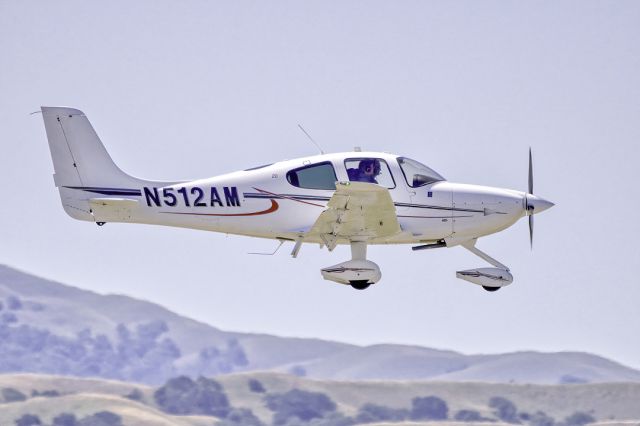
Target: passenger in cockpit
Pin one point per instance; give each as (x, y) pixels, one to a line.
(367, 171)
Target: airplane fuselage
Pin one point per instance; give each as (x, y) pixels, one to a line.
(262, 203)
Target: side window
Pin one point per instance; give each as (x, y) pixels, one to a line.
(372, 170)
(315, 176)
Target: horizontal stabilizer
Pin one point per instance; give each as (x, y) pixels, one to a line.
(112, 209)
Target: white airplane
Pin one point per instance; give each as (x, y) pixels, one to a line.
(356, 198)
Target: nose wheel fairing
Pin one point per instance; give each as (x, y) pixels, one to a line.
(491, 279)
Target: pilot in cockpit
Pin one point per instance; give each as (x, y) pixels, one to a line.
(367, 171)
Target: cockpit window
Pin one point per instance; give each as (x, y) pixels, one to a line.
(314, 176)
(417, 174)
(371, 170)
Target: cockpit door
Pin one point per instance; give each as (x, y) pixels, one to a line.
(429, 213)
(382, 172)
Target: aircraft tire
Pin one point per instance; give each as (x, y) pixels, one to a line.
(360, 284)
(488, 288)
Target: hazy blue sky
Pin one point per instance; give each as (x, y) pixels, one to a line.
(197, 88)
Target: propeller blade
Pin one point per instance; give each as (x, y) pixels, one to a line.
(530, 173)
(530, 188)
(531, 231)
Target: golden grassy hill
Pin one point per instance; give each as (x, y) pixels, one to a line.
(607, 402)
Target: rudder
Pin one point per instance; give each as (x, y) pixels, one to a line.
(80, 160)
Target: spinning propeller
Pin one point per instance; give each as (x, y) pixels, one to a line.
(532, 203)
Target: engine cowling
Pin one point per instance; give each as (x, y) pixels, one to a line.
(486, 277)
(352, 271)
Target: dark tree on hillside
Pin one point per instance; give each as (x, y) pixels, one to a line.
(28, 420)
(213, 360)
(469, 416)
(579, 418)
(182, 395)
(256, 386)
(236, 354)
(65, 419)
(14, 303)
(103, 418)
(299, 404)
(216, 360)
(141, 356)
(12, 395)
(504, 409)
(540, 418)
(371, 413)
(8, 318)
(429, 408)
(134, 395)
(241, 417)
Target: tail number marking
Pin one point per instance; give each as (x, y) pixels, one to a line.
(193, 196)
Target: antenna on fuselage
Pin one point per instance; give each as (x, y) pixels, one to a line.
(310, 138)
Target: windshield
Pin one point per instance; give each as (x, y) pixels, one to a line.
(417, 174)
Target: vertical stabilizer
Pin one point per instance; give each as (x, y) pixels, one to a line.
(80, 160)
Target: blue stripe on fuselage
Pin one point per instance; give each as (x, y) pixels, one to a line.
(108, 191)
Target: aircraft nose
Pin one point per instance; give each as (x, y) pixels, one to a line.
(537, 204)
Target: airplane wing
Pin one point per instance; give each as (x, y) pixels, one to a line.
(357, 210)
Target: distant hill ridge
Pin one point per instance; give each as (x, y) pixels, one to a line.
(118, 337)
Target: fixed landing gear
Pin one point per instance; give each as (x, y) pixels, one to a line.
(360, 284)
(358, 272)
(491, 279)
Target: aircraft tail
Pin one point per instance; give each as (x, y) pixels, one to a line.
(83, 167)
